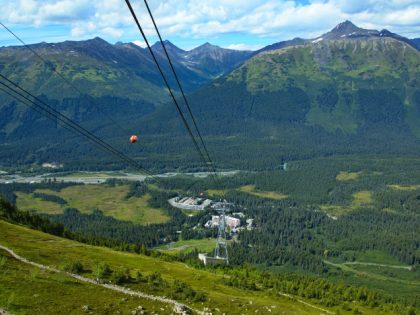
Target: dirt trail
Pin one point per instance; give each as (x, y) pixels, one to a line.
(348, 267)
(294, 298)
(177, 305)
(378, 265)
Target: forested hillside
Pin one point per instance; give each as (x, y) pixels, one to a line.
(341, 93)
(336, 95)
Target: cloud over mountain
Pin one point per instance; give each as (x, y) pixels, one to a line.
(213, 19)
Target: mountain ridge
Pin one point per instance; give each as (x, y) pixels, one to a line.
(95, 62)
(352, 88)
(344, 29)
(206, 58)
(348, 94)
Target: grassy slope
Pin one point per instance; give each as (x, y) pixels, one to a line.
(204, 245)
(28, 290)
(250, 189)
(54, 251)
(110, 200)
(403, 281)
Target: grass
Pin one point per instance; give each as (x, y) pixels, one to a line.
(215, 192)
(250, 189)
(404, 187)
(392, 273)
(362, 198)
(347, 176)
(388, 280)
(203, 245)
(29, 290)
(191, 213)
(110, 200)
(54, 251)
(335, 210)
(377, 256)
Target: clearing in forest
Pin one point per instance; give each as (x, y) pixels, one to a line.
(250, 189)
(346, 176)
(111, 201)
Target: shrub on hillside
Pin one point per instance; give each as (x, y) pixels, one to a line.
(74, 267)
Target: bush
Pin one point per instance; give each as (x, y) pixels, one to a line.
(102, 270)
(156, 280)
(3, 261)
(74, 267)
(121, 276)
(139, 277)
(182, 291)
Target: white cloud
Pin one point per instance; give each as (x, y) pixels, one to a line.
(139, 43)
(207, 19)
(113, 32)
(66, 10)
(243, 46)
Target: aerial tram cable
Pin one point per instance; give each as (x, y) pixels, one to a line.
(66, 123)
(47, 114)
(43, 108)
(56, 118)
(50, 112)
(133, 139)
(74, 129)
(207, 163)
(180, 88)
(39, 111)
(67, 81)
(181, 114)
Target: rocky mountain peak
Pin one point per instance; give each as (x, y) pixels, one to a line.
(345, 27)
(169, 46)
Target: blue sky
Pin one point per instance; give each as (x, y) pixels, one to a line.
(245, 24)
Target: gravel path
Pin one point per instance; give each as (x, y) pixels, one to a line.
(179, 307)
(306, 303)
(378, 265)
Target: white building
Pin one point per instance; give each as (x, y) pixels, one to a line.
(249, 223)
(53, 165)
(231, 222)
(189, 203)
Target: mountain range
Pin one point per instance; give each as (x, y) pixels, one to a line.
(347, 91)
(343, 80)
(99, 68)
(344, 30)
